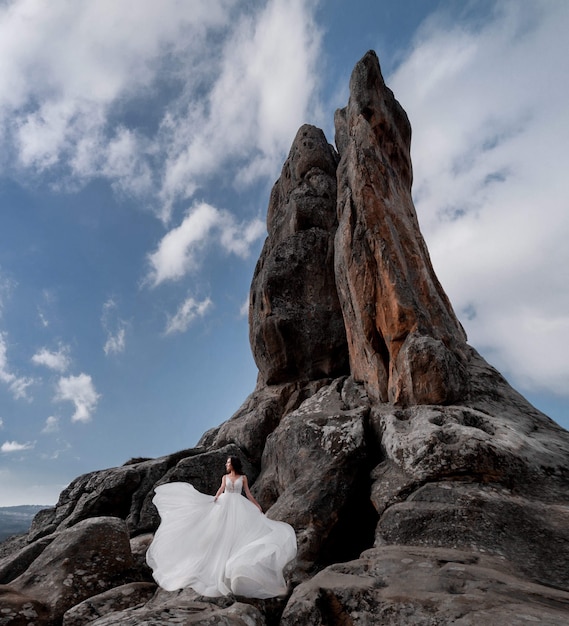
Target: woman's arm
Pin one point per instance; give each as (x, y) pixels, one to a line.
(221, 489)
(249, 494)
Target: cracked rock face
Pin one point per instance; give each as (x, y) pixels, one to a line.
(423, 489)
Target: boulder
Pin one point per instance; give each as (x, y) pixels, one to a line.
(116, 492)
(17, 563)
(487, 519)
(138, 547)
(83, 561)
(260, 414)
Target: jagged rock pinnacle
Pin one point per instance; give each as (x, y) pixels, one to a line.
(405, 341)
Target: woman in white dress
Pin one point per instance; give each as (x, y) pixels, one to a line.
(219, 545)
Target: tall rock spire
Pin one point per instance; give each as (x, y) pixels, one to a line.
(296, 328)
(404, 339)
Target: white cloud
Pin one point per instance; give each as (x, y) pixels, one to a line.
(18, 385)
(14, 446)
(114, 327)
(81, 391)
(66, 68)
(264, 86)
(1, 423)
(227, 80)
(58, 361)
(490, 135)
(51, 425)
(186, 314)
(178, 251)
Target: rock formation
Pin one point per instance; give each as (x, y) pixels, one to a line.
(295, 320)
(422, 487)
(405, 342)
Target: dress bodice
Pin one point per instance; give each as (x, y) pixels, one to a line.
(234, 487)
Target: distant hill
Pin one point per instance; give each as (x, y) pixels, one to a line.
(15, 520)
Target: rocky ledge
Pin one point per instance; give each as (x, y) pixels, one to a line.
(423, 489)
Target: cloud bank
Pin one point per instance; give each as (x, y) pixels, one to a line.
(488, 105)
(228, 82)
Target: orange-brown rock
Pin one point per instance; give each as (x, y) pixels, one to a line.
(404, 339)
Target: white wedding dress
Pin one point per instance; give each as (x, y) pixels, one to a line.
(218, 548)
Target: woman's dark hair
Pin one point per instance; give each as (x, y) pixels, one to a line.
(236, 464)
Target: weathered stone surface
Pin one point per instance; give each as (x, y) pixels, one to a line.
(82, 561)
(17, 609)
(493, 436)
(405, 341)
(185, 607)
(296, 326)
(126, 596)
(18, 562)
(312, 472)
(13, 544)
(260, 414)
(116, 492)
(405, 586)
(485, 518)
(138, 547)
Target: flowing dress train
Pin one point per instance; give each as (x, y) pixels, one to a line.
(218, 548)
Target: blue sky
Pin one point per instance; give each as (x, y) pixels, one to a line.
(140, 141)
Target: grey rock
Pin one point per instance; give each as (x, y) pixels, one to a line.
(187, 608)
(312, 478)
(17, 609)
(138, 547)
(116, 492)
(408, 586)
(18, 562)
(296, 328)
(494, 436)
(488, 519)
(85, 560)
(131, 595)
(260, 414)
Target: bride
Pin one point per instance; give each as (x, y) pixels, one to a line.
(219, 545)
